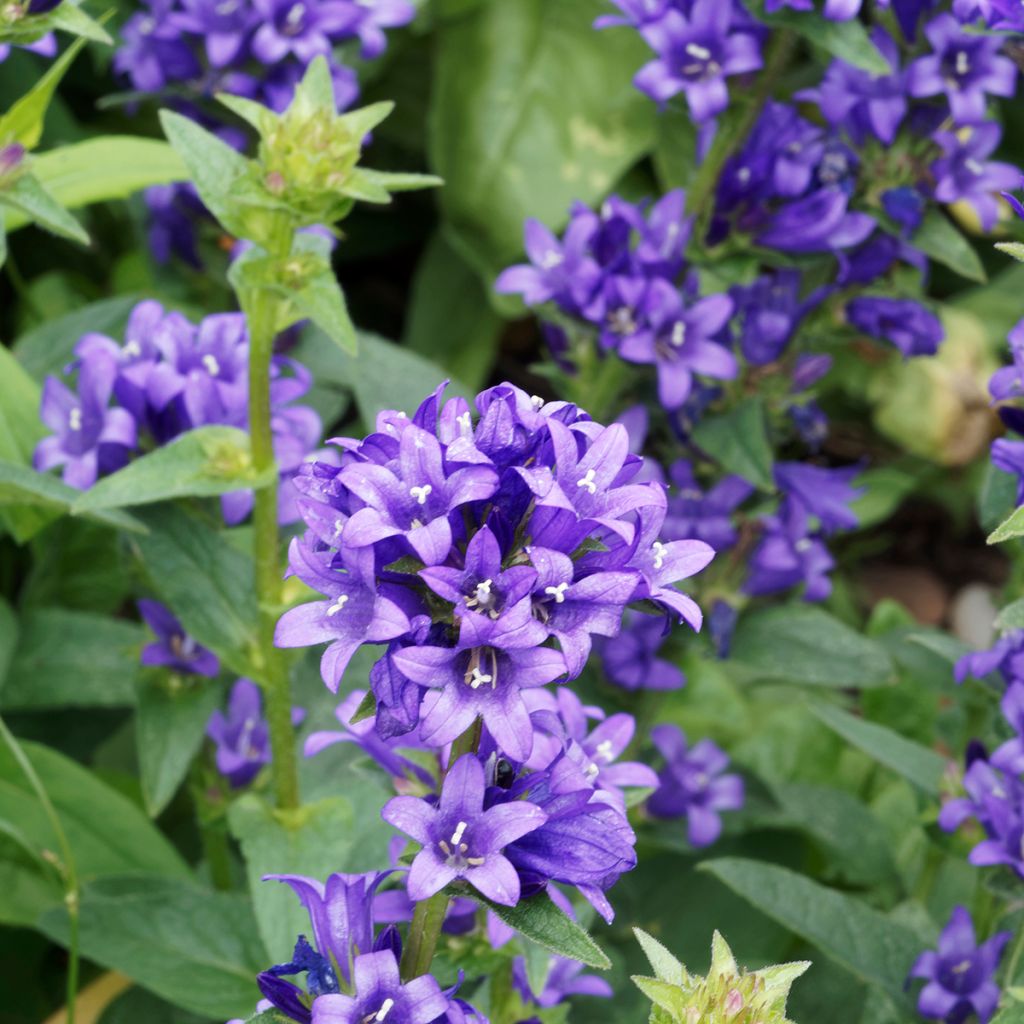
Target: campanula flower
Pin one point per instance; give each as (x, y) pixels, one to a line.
(173, 647)
(964, 171)
(693, 513)
(914, 330)
(630, 660)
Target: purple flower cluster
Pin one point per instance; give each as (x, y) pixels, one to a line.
(617, 271)
(168, 377)
(486, 552)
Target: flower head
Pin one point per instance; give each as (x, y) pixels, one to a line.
(173, 647)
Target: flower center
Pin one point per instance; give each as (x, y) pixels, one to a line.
(678, 335)
(557, 592)
(587, 481)
(211, 364)
(75, 419)
(621, 321)
(803, 545)
(475, 676)
(701, 64)
(294, 18)
(603, 752)
(132, 349)
(465, 422)
(420, 493)
(660, 550)
(456, 850)
(550, 259)
(338, 604)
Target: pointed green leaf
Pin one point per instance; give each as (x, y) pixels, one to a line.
(540, 920)
(916, 763)
(69, 17)
(255, 114)
(1012, 616)
(205, 462)
(322, 301)
(668, 997)
(875, 948)
(1014, 249)
(666, 967)
(938, 238)
(1009, 528)
(393, 181)
(28, 197)
(363, 120)
(316, 90)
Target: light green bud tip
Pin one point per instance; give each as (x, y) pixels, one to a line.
(727, 995)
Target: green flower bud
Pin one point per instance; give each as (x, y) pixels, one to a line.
(728, 995)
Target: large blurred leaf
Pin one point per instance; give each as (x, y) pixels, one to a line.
(8, 639)
(205, 581)
(196, 948)
(532, 109)
(314, 840)
(738, 441)
(874, 947)
(170, 723)
(103, 168)
(137, 1006)
(941, 241)
(72, 659)
(800, 644)
(200, 463)
(918, 764)
(107, 833)
(451, 322)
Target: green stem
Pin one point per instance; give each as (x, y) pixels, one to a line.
(262, 307)
(212, 832)
(66, 866)
(428, 917)
(1011, 967)
(700, 199)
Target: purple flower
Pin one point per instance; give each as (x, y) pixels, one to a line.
(816, 222)
(413, 500)
(862, 103)
(692, 784)
(696, 53)
(1008, 382)
(914, 330)
(173, 213)
(635, 13)
(707, 516)
(960, 974)
(963, 172)
(152, 52)
(679, 342)
(770, 311)
(1006, 657)
(380, 995)
(173, 647)
(90, 438)
(834, 10)
(631, 659)
(353, 613)
(788, 555)
(462, 840)
(241, 736)
(300, 27)
(374, 17)
(224, 27)
(1008, 456)
(822, 493)
(1009, 756)
(965, 67)
(564, 979)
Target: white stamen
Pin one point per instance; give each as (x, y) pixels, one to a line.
(211, 364)
(483, 591)
(75, 419)
(132, 348)
(604, 750)
(293, 19)
(460, 831)
(962, 63)
(743, 174)
(974, 166)
(537, 402)
(338, 605)
(550, 260)
(339, 525)
(421, 493)
(698, 51)
(678, 335)
(385, 1009)
(416, 524)
(802, 545)
(591, 772)
(964, 965)
(660, 551)
(588, 481)
(558, 592)
(478, 678)
(465, 422)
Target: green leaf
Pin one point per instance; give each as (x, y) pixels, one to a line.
(665, 996)
(885, 489)
(108, 834)
(137, 1005)
(48, 348)
(666, 967)
(875, 948)
(798, 643)
(738, 441)
(675, 153)
(540, 920)
(398, 181)
(1012, 1014)
(170, 723)
(1011, 617)
(196, 948)
(214, 167)
(23, 122)
(1016, 250)
(847, 40)
(313, 840)
(450, 318)
(206, 582)
(71, 18)
(997, 498)
(8, 639)
(101, 169)
(321, 300)
(1008, 528)
(28, 197)
(200, 463)
(917, 764)
(73, 659)
(938, 239)
(531, 109)
(21, 488)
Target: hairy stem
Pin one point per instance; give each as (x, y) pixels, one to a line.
(262, 307)
(65, 865)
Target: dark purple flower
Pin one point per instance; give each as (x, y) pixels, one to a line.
(353, 613)
(1009, 457)
(90, 439)
(174, 211)
(462, 840)
(152, 52)
(811, 424)
(376, 15)
(906, 206)
(692, 784)
(241, 736)
(834, 10)
(1008, 382)
(564, 979)
(174, 648)
(769, 311)
(914, 330)
(816, 222)
(965, 67)
(1005, 657)
(1009, 756)
(964, 172)
(822, 493)
(635, 13)
(300, 27)
(696, 53)
(707, 516)
(721, 625)
(960, 974)
(381, 996)
(788, 555)
(223, 25)
(631, 659)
